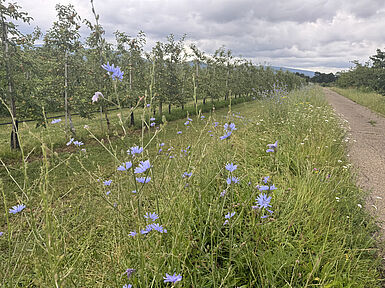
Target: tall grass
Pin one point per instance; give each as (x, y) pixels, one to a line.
(372, 100)
(75, 230)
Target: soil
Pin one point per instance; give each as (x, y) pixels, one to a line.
(366, 150)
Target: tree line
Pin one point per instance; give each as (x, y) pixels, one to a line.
(65, 71)
(324, 79)
(369, 76)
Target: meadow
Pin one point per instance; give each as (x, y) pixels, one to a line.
(256, 195)
(372, 100)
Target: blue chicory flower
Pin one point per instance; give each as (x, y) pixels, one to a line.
(226, 135)
(187, 174)
(54, 121)
(229, 127)
(263, 188)
(157, 227)
(107, 182)
(143, 180)
(70, 142)
(17, 209)
(116, 73)
(152, 216)
(78, 143)
(125, 166)
(172, 278)
(231, 167)
(263, 201)
(143, 166)
(129, 272)
(272, 147)
(146, 230)
(229, 215)
(135, 150)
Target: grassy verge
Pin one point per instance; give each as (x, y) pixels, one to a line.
(76, 231)
(372, 100)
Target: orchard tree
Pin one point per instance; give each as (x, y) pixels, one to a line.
(130, 50)
(199, 61)
(8, 28)
(96, 57)
(174, 51)
(158, 73)
(63, 38)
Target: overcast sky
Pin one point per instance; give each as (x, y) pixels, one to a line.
(317, 35)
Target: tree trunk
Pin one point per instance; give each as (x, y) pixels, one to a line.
(14, 134)
(160, 107)
(132, 119)
(100, 77)
(101, 119)
(169, 108)
(204, 100)
(65, 91)
(107, 120)
(182, 106)
(197, 75)
(67, 110)
(72, 128)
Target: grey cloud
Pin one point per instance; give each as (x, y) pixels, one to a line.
(293, 33)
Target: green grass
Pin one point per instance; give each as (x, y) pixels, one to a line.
(372, 100)
(72, 234)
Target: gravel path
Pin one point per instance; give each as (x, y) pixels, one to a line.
(366, 131)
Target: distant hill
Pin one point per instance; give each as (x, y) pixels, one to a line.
(292, 70)
(305, 72)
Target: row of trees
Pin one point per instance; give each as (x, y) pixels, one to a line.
(64, 72)
(320, 78)
(368, 76)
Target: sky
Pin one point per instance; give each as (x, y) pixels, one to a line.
(316, 35)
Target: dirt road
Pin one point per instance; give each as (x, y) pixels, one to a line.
(366, 149)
